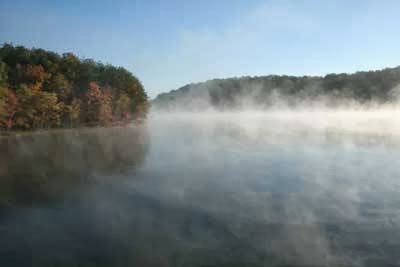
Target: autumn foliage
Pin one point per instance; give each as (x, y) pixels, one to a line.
(41, 89)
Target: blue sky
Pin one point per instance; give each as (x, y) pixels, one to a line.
(167, 44)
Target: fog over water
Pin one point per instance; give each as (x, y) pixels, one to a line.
(304, 187)
(322, 164)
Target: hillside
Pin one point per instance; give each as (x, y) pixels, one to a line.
(266, 91)
(41, 89)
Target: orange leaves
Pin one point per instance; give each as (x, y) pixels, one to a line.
(12, 102)
(8, 108)
(40, 89)
(94, 92)
(98, 105)
(33, 75)
(36, 73)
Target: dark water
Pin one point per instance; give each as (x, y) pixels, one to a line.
(211, 190)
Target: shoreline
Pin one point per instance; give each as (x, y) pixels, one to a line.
(16, 133)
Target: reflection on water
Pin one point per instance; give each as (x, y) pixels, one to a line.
(213, 190)
(42, 165)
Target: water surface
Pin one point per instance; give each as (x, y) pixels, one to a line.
(227, 189)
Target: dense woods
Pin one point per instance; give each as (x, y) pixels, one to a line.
(265, 91)
(41, 89)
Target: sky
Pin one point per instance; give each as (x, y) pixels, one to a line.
(168, 44)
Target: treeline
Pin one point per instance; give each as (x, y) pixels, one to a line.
(265, 91)
(41, 89)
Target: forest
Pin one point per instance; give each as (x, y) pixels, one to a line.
(41, 89)
(366, 87)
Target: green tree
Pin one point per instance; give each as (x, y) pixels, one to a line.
(122, 110)
(52, 90)
(48, 110)
(61, 86)
(27, 107)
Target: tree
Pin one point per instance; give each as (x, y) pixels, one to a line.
(33, 75)
(27, 107)
(123, 108)
(60, 85)
(3, 96)
(55, 90)
(3, 93)
(98, 105)
(8, 108)
(3, 74)
(93, 103)
(75, 112)
(105, 111)
(49, 110)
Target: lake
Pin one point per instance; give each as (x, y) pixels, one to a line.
(276, 188)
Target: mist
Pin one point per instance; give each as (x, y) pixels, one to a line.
(311, 185)
(308, 184)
